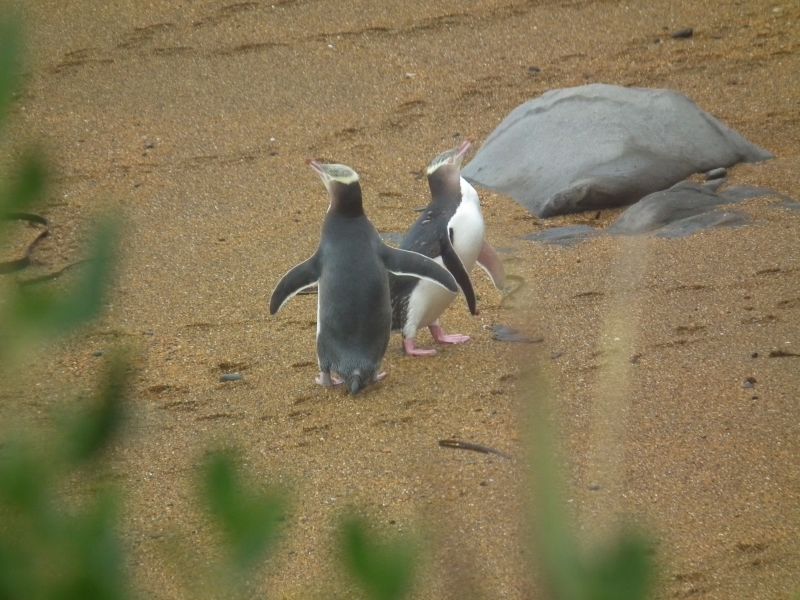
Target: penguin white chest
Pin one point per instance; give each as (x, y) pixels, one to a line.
(425, 304)
(467, 226)
(428, 301)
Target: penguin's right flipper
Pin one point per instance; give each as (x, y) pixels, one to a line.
(296, 280)
(456, 267)
(491, 263)
(406, 262)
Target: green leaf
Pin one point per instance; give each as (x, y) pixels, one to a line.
(94, 568)
(26, 185)
(556, 546)
(44, 311)
(23, 478)
(623, 572)
(384, 571)
(91, 432)
(10, 51)
(86, 299)
(249, 519)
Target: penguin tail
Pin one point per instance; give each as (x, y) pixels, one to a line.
(360, 379)
(354, 382)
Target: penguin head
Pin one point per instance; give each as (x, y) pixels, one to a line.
(444, 172)
(343, 187)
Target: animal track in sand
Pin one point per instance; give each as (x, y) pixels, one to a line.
(219, 416)
(181, 406)
(140, 36)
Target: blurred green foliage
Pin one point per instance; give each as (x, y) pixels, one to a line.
(10, 53)
(249, 519)
(51, 547)
(384, 571)
(622, 569)
(57, 546)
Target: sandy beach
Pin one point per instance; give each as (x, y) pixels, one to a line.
(193, 120)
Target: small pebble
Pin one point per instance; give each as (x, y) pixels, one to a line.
(533, 71)
(97, 353)
(683, 33)
(231, 377)
(750, 382)
(716, 174)
(594, 487)
(754, 355)
(504, 333)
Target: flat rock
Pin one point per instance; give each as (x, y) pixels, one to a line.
(680, 211)
(791, 204)
(685, 200)
(504, 333)
(564, 236)
(690, 225)
(599, 146)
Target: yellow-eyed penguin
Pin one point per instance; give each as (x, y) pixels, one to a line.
(351, 270)
(451, 231)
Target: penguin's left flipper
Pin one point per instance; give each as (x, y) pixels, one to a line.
(491, 263)
(456, 267)
(406, 262)
(297, 279)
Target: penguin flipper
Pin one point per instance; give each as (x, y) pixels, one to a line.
(456, 267)
(490, 262)
(296, 280)
(414, 264)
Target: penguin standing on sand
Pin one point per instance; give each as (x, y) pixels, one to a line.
(351, 269)
(451, 231)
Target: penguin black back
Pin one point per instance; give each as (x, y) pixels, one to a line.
(350, 269)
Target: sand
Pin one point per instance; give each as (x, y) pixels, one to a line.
(193, 121)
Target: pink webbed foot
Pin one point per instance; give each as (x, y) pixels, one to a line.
(410, 347)
(379, 376)
(328, 380)
(443, 338)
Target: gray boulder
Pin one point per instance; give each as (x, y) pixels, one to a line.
(599, 146)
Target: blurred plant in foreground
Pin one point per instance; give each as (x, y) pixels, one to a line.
(53, 546)
(621, 569)
(49, 549)
(384, 571)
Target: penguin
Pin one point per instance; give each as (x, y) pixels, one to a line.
(351, 271)
(451, 231)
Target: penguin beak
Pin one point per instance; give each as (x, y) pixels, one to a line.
(462, 152)
(320, 169)
(317, 167)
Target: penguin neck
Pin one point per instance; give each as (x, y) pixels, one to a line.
(445, 188)
(346, 201)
